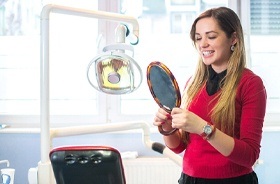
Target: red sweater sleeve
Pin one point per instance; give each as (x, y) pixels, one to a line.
(180, 148)
(251, 102)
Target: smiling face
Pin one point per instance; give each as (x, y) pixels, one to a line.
(213, 44)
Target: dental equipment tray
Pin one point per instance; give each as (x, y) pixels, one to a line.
(87, 165)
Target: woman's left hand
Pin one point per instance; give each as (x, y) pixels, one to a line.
(187, 121)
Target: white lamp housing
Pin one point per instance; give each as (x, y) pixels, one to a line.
(114, 71)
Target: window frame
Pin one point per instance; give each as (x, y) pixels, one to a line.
(109, 105)
(243, 9)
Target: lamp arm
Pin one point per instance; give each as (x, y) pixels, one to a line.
(116, 17)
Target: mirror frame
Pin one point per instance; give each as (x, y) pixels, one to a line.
(176, 89)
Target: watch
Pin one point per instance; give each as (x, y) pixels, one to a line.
(208, 130)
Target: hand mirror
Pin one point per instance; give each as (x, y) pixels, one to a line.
(164, 89)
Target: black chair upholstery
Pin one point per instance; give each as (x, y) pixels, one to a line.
(87, 165)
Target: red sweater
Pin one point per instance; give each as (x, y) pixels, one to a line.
(202, 160)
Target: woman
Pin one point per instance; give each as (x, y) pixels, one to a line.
(223, 107)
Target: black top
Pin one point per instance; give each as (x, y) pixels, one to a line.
(213, 83)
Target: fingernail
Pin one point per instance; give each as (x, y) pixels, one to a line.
(168, 116)
(162, 123)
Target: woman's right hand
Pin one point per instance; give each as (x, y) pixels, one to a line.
(163, 119)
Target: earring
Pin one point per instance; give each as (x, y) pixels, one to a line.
(232, 48)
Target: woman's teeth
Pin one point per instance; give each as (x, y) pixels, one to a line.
(207, 53)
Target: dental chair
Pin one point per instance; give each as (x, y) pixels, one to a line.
(87, 165)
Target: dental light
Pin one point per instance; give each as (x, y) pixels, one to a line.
(114, 71)
(44, 167)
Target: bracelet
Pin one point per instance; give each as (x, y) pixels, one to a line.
(167, 133)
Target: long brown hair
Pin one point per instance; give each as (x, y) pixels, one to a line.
(223, 113)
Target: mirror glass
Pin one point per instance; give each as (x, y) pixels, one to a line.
(163, 88)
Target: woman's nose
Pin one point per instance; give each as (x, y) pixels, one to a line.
(203, 43)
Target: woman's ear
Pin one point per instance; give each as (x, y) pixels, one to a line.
(234, 38)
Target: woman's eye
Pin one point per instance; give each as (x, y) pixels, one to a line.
(198, 38)
(212, 37)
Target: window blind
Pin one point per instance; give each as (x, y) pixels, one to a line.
(265, 17)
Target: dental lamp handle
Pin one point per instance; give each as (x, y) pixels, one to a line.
(5, 162)
(119, 47)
